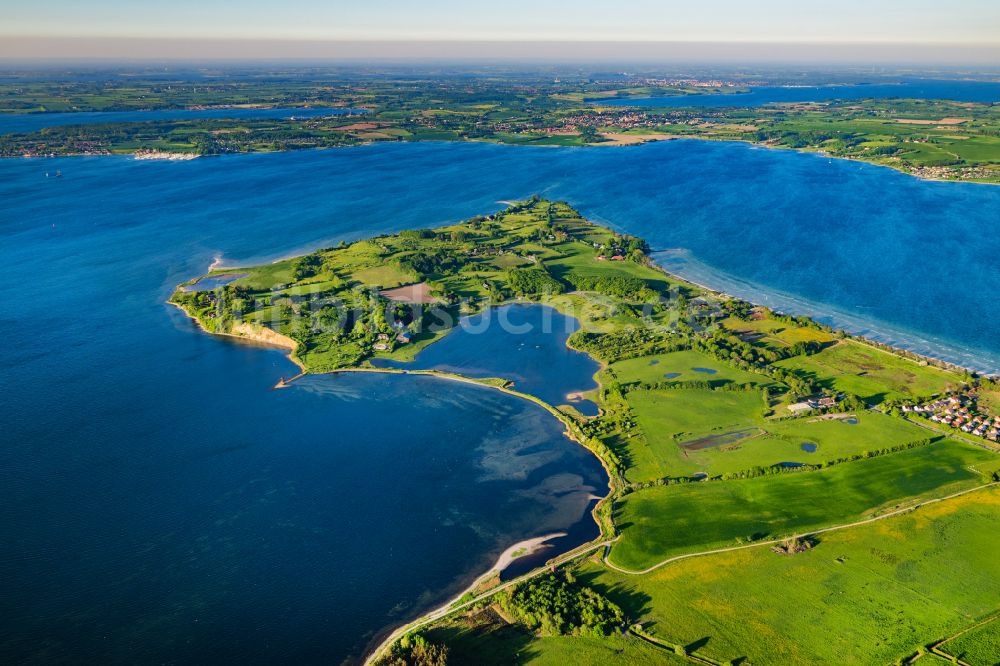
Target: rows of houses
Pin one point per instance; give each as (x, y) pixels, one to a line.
(960, 412)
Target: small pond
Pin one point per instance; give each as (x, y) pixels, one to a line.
(718, 440)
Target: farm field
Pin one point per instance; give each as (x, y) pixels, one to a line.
(867, 595)
(977, 647)
(663, 521)
(692, 431)
(869, 373)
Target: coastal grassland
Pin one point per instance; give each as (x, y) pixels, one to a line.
(654, 431)
(668, 417)
(980, 646)
(870, 373)
(329, 302)
(777, 334)
(866, 595)
(691, 431)
(989, 400)
(683, 366)
(664, 521)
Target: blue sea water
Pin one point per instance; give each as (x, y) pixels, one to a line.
(960, 91)
(162, 504)
(14, 123)
(524, 343)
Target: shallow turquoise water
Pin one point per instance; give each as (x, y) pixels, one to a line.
(161, 502)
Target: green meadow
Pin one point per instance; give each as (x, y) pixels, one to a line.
(672, 422)
(977, 647)
(868, 595)
(870, 373)
(664, 521)
(680, 366)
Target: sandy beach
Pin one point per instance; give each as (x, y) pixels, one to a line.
(520, 549)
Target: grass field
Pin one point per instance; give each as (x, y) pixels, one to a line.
(670, 420)
(662, 521)
(654, 369)
(509, 645)
(867, 595)
(668, 417)
(870, 373)
(778, 334)
(978, 647)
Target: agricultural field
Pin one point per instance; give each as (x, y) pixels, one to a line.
(867, 595)
(663, 521)
(693, 431)
(980, 646)
(872, 374)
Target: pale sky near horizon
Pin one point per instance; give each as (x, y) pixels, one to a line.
(910, 22)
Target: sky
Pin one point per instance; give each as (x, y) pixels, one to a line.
(29, 28)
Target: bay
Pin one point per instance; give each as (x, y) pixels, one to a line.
(161, 500)
(907, 88)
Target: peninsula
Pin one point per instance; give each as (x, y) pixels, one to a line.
(930, 138)
(763, 467)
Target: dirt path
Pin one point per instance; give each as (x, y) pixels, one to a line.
(772, 542)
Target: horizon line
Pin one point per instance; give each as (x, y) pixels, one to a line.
(50, 48)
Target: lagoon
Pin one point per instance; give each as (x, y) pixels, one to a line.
(525, 343)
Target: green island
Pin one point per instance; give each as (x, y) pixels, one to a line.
(935, 139)
(780, 492)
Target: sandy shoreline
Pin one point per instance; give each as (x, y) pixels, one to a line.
(843, 322)
(251, 336)
(522, 549)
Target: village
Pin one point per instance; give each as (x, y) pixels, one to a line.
(960, 412)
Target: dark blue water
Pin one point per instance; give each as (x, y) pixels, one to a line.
(961, 91)
(885, 254)
(11, 123)
(161, 502)
(525, 343)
